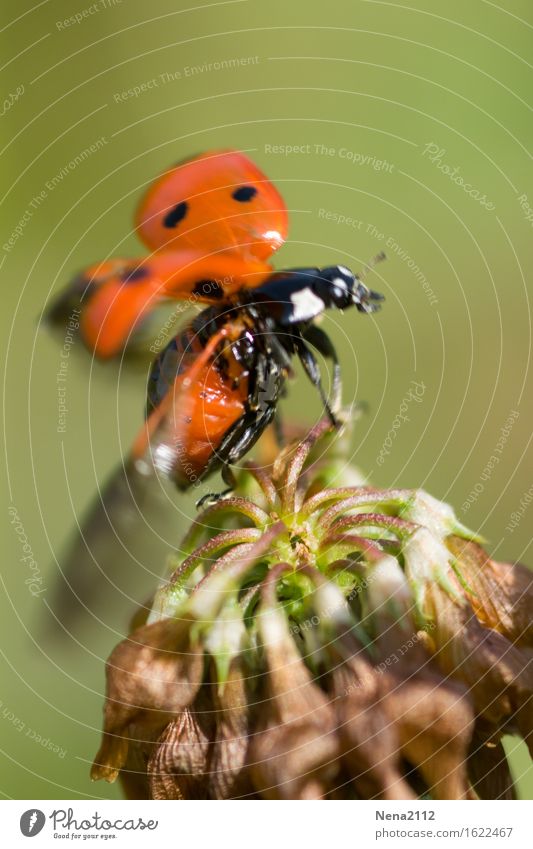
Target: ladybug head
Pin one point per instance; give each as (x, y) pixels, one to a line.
(339, 287)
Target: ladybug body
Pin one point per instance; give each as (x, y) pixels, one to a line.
(214, 389)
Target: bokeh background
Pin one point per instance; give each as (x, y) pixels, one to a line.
(365, 114)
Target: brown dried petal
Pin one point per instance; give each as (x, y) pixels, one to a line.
(432, 719)
(151, 675)
(502, 593)
(296, 760)
(368, 738)
(294, 753)
(488, 768)
(178, 766)
(434, 722)
(499, 675)
(228, 752)
(133, 775)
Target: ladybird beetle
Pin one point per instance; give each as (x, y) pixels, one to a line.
(212, 223)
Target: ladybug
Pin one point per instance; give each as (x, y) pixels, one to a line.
(211, 222)
(214, 389)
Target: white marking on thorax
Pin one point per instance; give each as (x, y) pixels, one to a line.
(306, 304)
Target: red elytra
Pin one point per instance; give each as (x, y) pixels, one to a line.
(218, 201)
(119, 302)
(212, 222)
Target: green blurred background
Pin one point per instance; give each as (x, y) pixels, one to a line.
(365, 88)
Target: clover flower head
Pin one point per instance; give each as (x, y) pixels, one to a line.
(323, 641)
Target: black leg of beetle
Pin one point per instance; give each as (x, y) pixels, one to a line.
(220, 458)
(229, 478)
(256, 381)
(212, 497)
(312, 369)
(321, 341)
(263, 385)
(255, 428)
(278, 430)
(232, 447)
(277, 351)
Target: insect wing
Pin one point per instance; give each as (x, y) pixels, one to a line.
(183, 432)
(116, 297)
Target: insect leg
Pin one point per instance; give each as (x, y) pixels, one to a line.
(231, 449)
(213, 497)
(321, 341)
(312, 370)
(275, 349)
(250, 435)
(278, 430)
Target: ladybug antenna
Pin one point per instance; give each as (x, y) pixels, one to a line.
(371, 264)
(366, 300)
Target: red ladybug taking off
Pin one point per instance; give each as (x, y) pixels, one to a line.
(212, 223)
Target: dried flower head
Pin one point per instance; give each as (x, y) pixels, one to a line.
(323, 642)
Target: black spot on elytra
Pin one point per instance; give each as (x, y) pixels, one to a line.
(208, 289)
(173, 218)
(244, 193)
(136, 274)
